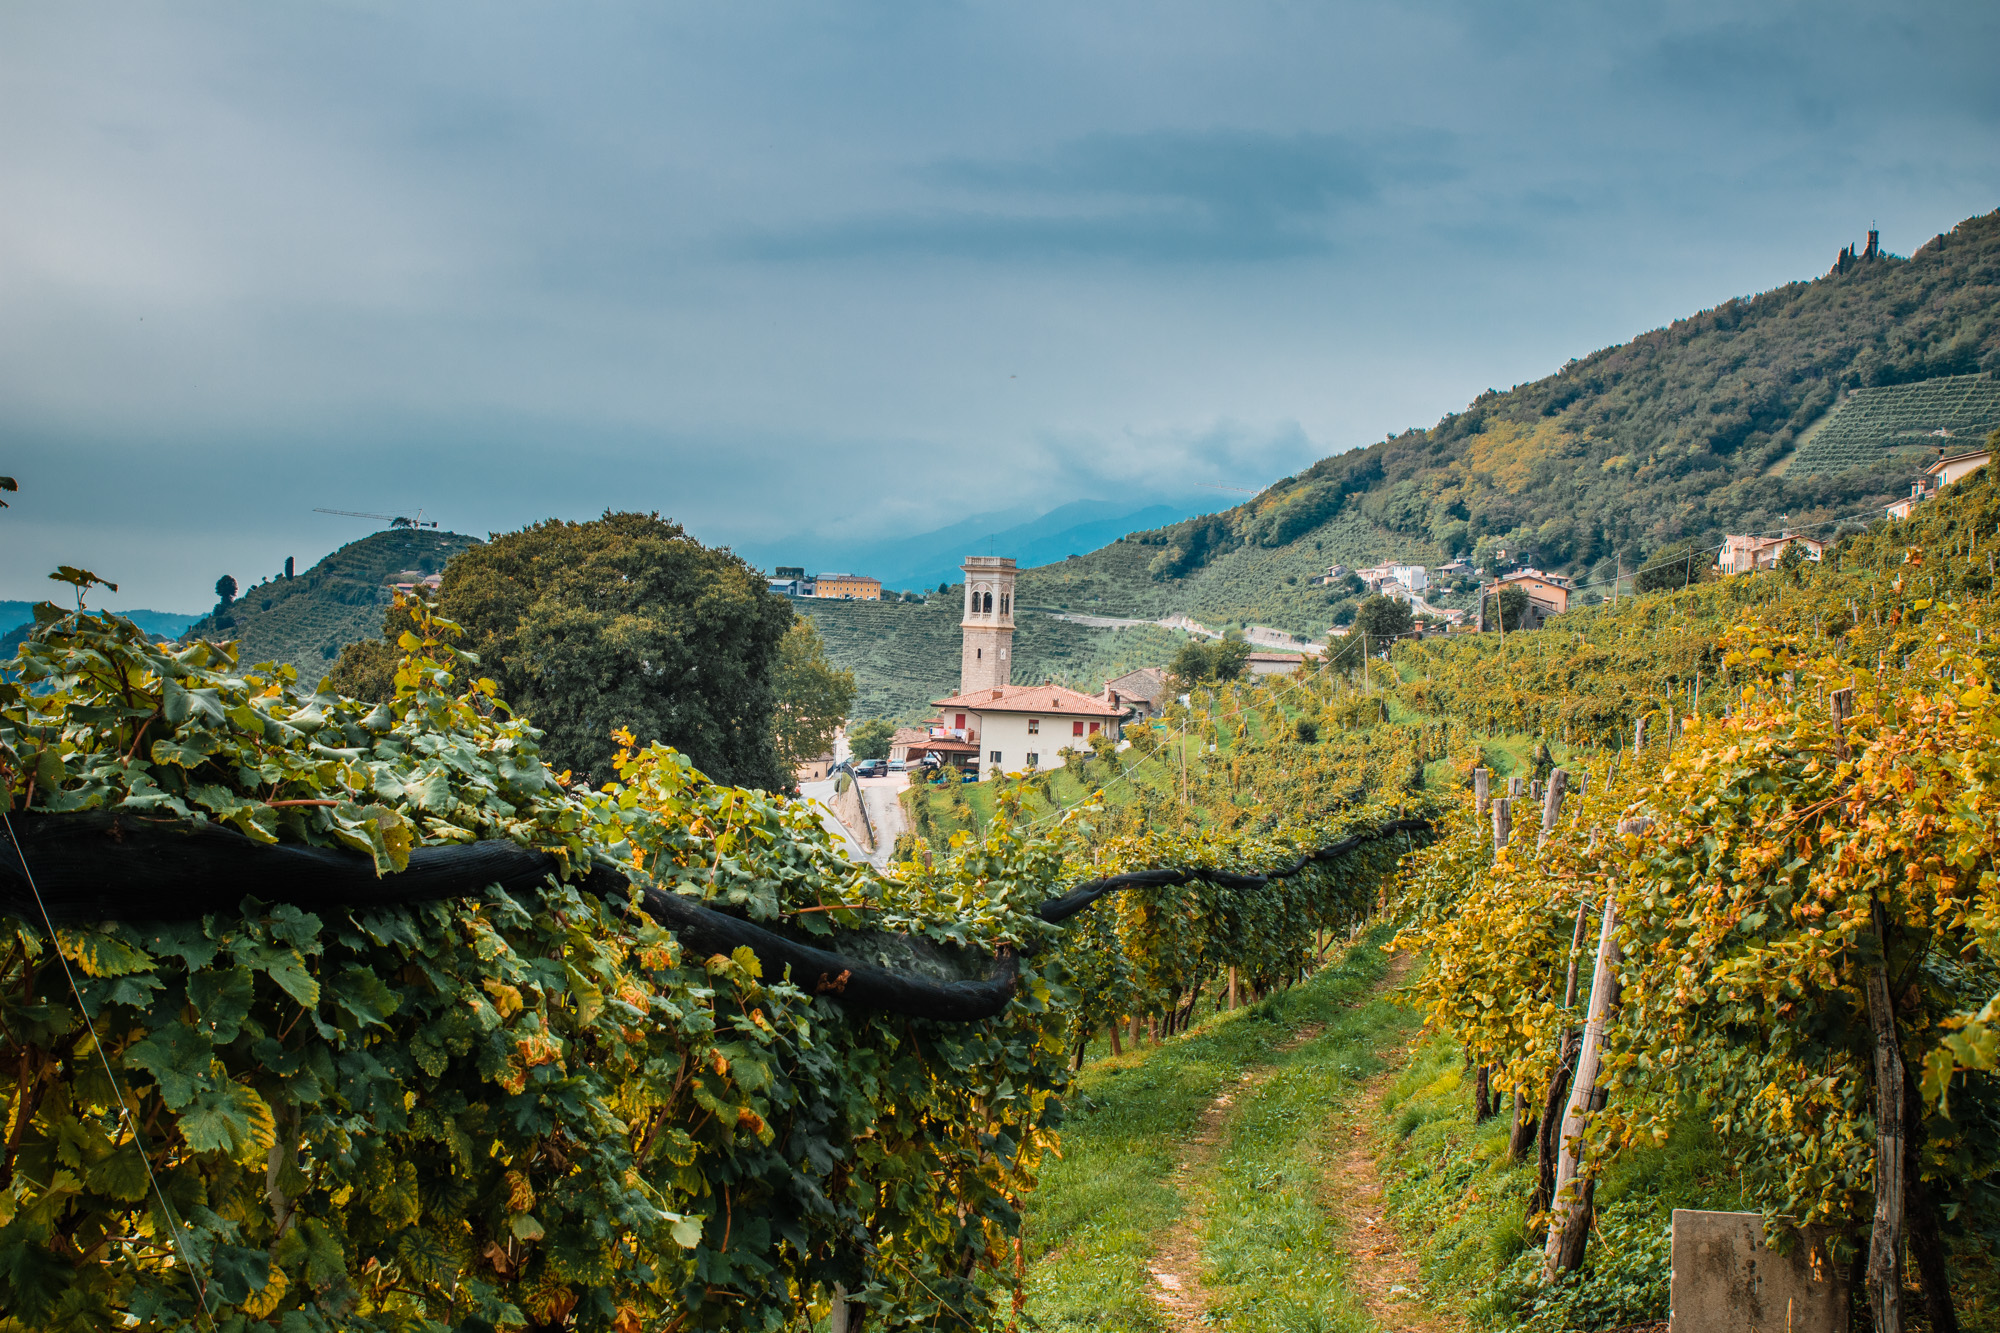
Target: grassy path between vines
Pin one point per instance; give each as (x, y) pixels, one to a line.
(1226, 1179)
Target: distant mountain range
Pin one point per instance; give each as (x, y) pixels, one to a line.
(167, 624)
(15, 615)
(920, 562)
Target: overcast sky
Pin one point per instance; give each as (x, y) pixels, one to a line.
(775, 268)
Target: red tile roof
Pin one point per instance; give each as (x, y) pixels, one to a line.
(943, 745)
(1053, 700)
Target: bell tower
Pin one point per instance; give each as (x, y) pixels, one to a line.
(986, 657)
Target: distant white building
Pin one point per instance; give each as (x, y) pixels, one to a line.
(1410, 578)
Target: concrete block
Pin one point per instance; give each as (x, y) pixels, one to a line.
(1726, 1281)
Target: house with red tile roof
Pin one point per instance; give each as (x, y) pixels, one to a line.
(1026, 728)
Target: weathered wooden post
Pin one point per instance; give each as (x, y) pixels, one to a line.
(1503, 824)
(1569, 1229)
(1841, 704)
(838, 1321)
(1232, 985)
(1514, 786)
(1639, 740)
(1548, 1133)
(1552, 803)
(1479, 792)
(1885, 1238)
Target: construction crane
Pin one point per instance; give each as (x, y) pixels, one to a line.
(393, 520)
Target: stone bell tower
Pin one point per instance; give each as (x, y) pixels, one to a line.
(986, 658)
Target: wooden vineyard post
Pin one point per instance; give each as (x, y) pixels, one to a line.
(1503, 830)
(1885, 1238)
(1638, 740)
(1552, 803)
(1569, 1228)
(1232, 986)
(1514, 786)
(838, 1321)
(1841, 704)
(1479, 792)
(1548, 1133)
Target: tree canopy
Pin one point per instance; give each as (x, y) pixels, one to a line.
(871, 739)
(1208, 663)
(1382, 617)
(813, 696)
(626, 621)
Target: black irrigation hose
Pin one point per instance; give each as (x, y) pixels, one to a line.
(124, 865)
(1088, 892)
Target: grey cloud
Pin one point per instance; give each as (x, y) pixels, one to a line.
(1162, 196)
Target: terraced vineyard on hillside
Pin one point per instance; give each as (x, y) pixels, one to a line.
(1871, 424)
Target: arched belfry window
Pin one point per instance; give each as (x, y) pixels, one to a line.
(988, 608)
(1005, 598)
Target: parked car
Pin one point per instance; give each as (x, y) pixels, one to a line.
(870, 768)
(899, 765)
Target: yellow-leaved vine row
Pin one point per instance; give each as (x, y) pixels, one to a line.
(1804, 938)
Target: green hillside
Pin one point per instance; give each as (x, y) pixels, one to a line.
(307, 620)
(904, 655)
(1689, 431)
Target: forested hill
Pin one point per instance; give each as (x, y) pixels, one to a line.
(307, 620)
(1684, 432)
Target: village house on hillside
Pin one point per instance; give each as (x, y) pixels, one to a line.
(1548, 595)
(1395, 580)
(1741, 555)
(1945, 472)
(1142, 693)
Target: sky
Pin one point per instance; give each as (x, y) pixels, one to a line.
(812, 273)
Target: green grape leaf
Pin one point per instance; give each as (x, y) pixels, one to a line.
(178, 1058)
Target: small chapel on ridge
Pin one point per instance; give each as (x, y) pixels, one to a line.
(993, 726)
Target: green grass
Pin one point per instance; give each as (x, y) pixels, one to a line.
(1453, 1193)
(1272, 1244)
(1096, 1217)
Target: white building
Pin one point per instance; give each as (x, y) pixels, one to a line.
(1026, 728)
(1015, 728)
(1411, 578)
